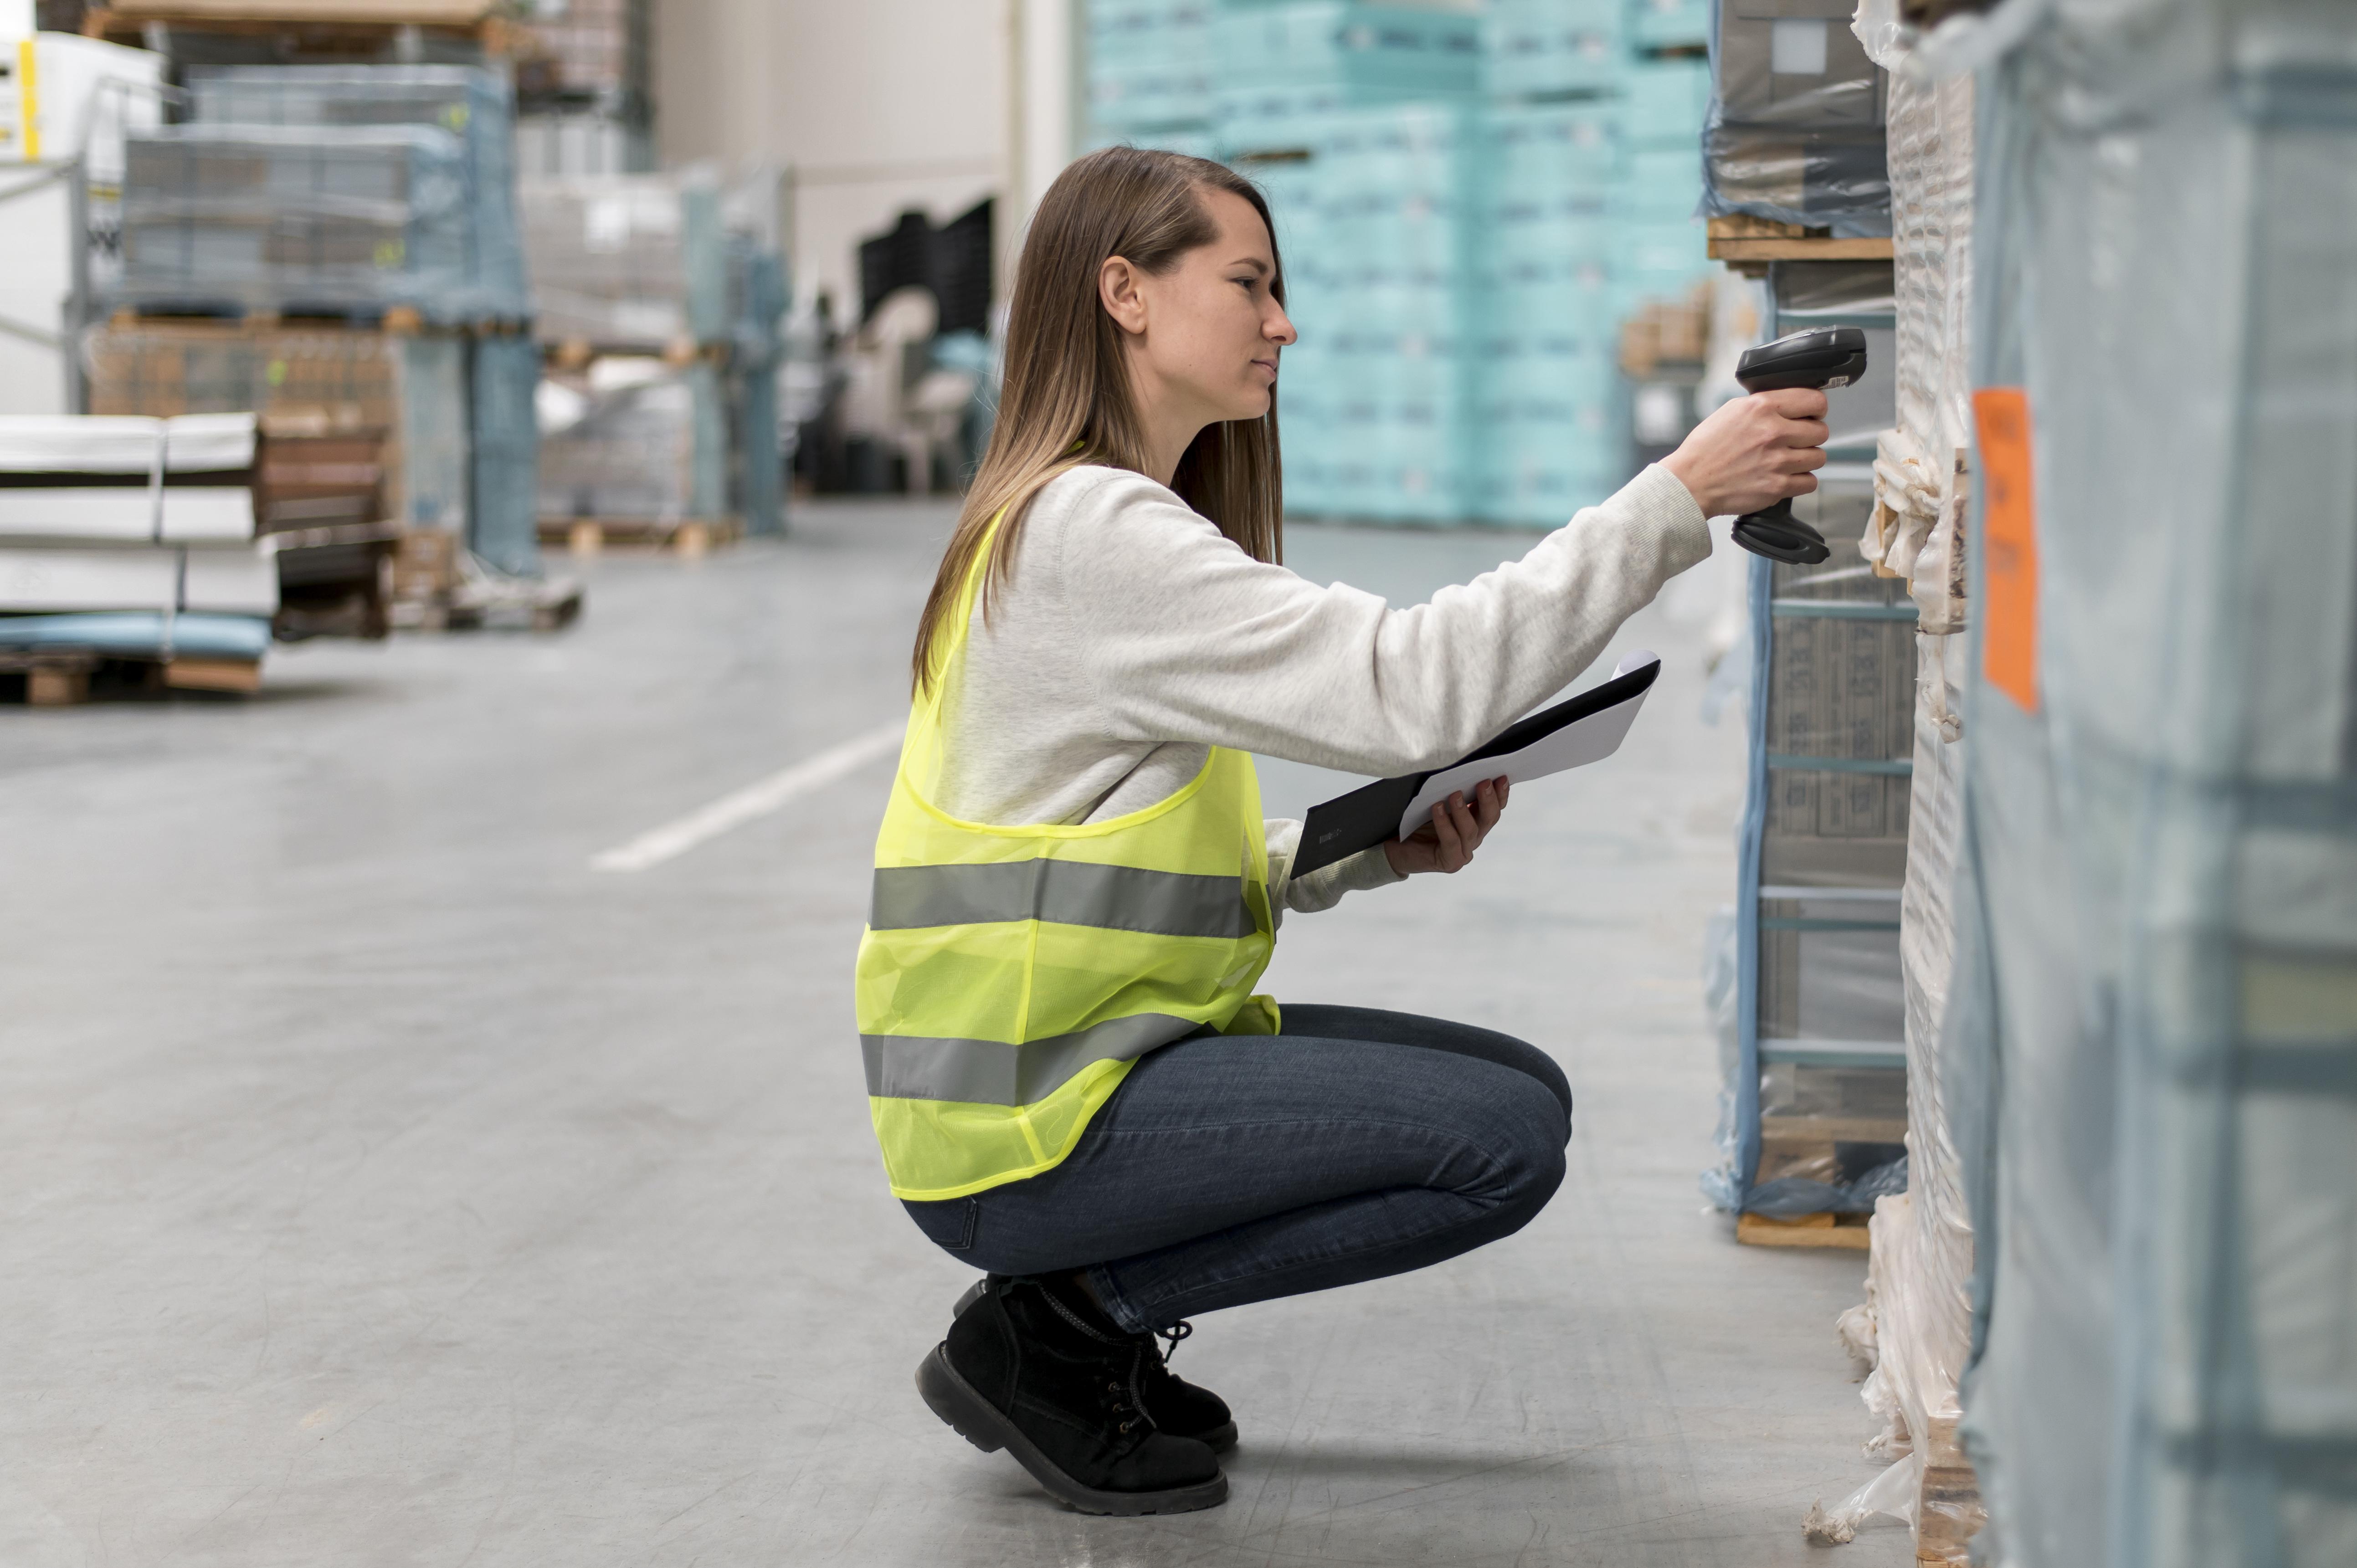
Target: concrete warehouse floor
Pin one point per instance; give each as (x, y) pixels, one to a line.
(382, 1184)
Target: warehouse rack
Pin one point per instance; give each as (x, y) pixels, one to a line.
(1852, 1120)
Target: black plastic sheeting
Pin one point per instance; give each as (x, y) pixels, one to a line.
(952, 261)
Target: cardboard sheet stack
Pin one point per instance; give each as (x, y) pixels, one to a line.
(137, 538)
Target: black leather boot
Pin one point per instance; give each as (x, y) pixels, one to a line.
(1177, 1406)
(1026, 1371)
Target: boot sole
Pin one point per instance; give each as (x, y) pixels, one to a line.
(979, 1421)
(1218, 1440)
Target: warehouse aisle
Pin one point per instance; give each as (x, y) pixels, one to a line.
(382, 1184)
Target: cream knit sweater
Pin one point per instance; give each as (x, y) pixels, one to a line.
(1131, 636)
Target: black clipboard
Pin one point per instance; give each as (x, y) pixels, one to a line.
(1370, 815)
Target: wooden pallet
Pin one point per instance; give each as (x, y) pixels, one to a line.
(1846, 1231)
(576, 353)
(394, 320)
(691, 537)
(316, 27)
(1749, 245)
(213, 674)
(438, 586)
(1949, 1510)
(61, 677)
(54, 677)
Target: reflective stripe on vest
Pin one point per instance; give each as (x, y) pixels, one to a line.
(1069, 892)
(1010, 977)
(992, 1072)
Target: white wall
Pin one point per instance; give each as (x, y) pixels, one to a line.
(872, 106)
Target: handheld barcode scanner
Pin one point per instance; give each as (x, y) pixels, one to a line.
(1822, 357)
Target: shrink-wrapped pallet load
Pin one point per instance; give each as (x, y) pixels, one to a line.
(2154, 1011)
(473, 103)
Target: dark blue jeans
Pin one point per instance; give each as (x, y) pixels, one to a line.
(1225, 1170)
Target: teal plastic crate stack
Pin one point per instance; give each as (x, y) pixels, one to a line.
(1591, 154)
(1358, 122)
(1546, 383)
(1278, 62)
(1149, 73)
(1547, 49)
(1468, 202)
(1396, 214)
(1659, 246)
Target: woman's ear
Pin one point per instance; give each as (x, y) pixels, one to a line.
(1117, 288)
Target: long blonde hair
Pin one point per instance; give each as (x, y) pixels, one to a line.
(1065, 397)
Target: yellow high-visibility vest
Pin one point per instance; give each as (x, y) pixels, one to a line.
(1011, 976)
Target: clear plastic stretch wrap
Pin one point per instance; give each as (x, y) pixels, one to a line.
(473, 103)
(760, 294)
(2155, 1009)
(1795, 133)
(597, 51)
(1917, 1316)
(627, 260)
(651, 448)
(504, 529)
(301, 220)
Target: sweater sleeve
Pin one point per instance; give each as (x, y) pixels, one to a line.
(1322, 888)
(1182, 636)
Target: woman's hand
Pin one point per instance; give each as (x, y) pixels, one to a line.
(1447, 841)
(1753, 452)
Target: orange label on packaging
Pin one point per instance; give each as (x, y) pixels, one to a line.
(2009, 549)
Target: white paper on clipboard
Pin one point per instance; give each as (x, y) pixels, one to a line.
(1575, 744)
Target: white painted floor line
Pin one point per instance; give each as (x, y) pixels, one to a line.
(777, 791)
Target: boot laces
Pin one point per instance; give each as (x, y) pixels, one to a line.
(1127, 1401)
(1171, 1338)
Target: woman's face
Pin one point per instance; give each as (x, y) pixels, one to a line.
(1204, 336)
